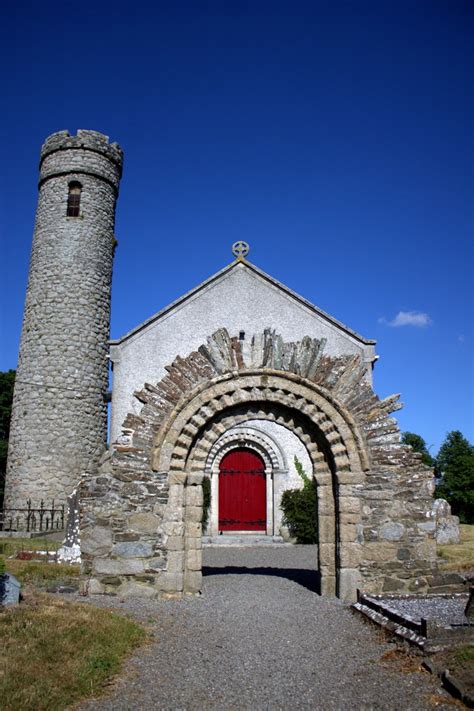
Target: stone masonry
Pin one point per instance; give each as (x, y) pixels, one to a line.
(59, 419)
(141, 527)
(142, 501)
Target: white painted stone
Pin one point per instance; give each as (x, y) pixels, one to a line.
(69, 554)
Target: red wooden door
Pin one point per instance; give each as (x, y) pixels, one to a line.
(242, 492)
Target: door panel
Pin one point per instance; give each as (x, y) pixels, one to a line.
(242, 492)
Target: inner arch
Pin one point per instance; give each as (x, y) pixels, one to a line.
(337, 549)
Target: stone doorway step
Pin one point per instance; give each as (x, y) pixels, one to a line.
(244, 540)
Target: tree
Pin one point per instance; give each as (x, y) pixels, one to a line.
(418, 444)
(455, 461)
(7, 380)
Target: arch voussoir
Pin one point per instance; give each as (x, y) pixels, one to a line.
(146, 502)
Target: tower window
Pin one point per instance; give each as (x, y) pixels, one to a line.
(74, 199)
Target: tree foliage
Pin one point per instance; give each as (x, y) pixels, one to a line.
(455, 462)
(300, 508)
(7, 381)
(418, 444)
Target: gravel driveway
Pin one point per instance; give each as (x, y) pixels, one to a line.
(261, 638)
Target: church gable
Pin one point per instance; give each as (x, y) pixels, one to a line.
(240, 298)
(245, 284)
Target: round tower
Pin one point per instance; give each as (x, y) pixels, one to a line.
(59, 417)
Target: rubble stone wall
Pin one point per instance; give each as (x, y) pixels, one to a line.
(59, 417)
(141, 530)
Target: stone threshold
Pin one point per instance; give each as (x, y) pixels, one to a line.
(242, 540)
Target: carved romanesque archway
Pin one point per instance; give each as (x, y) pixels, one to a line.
(142, 513)
(238, 435)
(264, 445)
(335, 447)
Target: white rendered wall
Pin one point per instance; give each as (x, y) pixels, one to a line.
(240, 300)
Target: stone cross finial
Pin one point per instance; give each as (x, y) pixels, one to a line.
(240, 249)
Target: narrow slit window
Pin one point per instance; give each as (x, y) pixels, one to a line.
(74, 200)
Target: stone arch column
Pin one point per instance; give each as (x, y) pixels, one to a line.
(141, 514)
(337, 461)
(238, 435)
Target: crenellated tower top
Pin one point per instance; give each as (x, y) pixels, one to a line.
(88, 152)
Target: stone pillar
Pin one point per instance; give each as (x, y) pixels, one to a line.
(59, 418)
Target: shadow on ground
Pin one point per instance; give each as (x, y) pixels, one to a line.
(309, 579)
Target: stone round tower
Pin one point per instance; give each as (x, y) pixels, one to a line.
(59, 418)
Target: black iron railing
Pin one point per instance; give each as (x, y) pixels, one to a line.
(31, 520)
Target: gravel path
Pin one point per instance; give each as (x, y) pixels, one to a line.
(260, 638)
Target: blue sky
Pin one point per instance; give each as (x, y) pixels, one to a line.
(335, 137)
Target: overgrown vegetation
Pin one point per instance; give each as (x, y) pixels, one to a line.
(54, 653)
(206, 501)
(299, 508)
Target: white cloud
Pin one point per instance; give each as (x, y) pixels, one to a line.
(408, 318)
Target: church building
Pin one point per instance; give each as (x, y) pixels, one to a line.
(249, 304)
(232, 384)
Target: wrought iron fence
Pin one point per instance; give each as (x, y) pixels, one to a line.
(31, 519)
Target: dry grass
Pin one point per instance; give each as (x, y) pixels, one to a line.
(459, 556)
(12, 546)
(438, 700)
(37, 573)
(40, 574)
(403, 659)
(53, 653)
(461, 664)
(464, 656)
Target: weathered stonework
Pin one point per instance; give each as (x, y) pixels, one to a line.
(59, 419)
(374, 494)
(446, 526)
(142, 501)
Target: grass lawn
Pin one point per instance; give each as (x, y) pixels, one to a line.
(38, 574)
(459, 556)
(53, 653)
(12, 546)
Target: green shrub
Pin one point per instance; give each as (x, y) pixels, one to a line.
(206, 494)
(300, 509)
